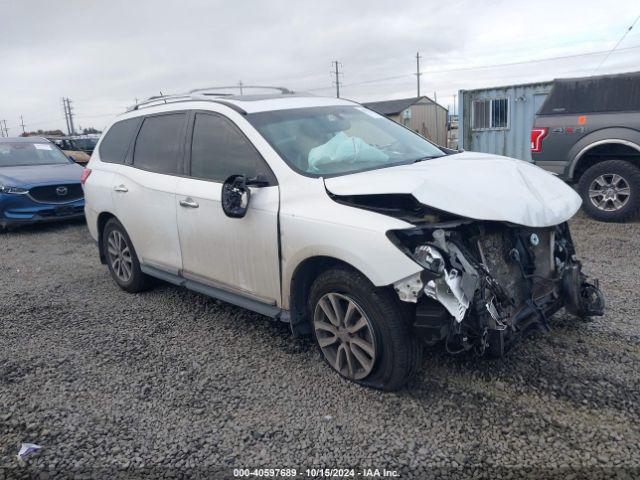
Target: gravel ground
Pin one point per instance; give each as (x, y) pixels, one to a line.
(172, 384)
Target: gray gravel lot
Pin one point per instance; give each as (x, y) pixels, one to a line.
(173, 384)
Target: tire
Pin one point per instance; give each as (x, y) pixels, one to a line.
(136, 281)
(597, 205)
(397, 353)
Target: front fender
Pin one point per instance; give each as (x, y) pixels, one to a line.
(369, 252)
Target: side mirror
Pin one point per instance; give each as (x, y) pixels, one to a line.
(235, 196)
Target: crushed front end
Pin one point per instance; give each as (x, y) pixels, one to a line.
(484, 283)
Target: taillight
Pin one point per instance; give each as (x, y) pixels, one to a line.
(537, 134)
(85, 174)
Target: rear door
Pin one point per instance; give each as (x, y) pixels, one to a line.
(144, 190)
(239, 255)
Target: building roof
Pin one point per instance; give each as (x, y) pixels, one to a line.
(393, 107)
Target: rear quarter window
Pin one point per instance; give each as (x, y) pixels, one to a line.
(115, 144)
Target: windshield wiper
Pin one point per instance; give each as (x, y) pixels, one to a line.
(428, 157)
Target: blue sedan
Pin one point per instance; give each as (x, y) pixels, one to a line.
(38, 183)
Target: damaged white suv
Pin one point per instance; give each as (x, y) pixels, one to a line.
(324, 214)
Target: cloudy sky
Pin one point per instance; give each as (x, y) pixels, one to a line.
(105, 54)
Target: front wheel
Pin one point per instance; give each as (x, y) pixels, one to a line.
(363, 332)
(610, 190)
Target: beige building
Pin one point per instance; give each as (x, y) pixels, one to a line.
(420, 114)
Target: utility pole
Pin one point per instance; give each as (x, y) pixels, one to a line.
(6, 130)
(68, 115)
(240, 86)
(435, 99)
(73, 130)
(418, 72)
(22, 124)
(336, 64)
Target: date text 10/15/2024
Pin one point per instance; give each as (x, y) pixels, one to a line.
(316, 472)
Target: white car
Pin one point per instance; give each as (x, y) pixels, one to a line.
(322, 213)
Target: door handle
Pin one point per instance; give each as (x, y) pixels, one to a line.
(189, 203)
(121, 188)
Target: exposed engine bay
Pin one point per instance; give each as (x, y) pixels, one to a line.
(486, 283)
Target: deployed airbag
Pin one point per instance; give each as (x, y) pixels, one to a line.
(343, 148)
(472, 185)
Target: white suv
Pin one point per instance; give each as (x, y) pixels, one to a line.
(322, 213)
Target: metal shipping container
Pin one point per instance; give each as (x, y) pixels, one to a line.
(498, 120)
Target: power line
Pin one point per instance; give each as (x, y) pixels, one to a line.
(524, 62)
(480, 67)
(616, 45)
(339, 84)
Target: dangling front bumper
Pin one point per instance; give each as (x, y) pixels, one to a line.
(486, 281)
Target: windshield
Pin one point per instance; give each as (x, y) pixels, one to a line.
(13, 154)
(323, 141)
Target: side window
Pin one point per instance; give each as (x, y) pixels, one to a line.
(491, 114)
(219, 150)
(481, 114)
(159, 143)
(499, 113)
(116, 141)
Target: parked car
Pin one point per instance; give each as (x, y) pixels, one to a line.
(588, 132)
(329, 216)
(78, 150)
(87, 143)
(38, 183)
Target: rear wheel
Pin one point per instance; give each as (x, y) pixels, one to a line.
(362, 332)
(610, 190)
(122, 259)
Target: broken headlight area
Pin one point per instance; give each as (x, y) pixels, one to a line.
(486, 283)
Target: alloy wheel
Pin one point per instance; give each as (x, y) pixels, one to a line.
(119, 255)
(345, 335)
(609, 192)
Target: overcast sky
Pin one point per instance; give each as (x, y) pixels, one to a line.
(105, 54)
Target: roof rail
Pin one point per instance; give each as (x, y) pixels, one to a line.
(200, 94)
(282, 90)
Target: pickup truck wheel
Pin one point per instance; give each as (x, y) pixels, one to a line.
(610, 190)
(361, 330)
(122, 259)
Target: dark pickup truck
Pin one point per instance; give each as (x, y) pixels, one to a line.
(588, 132)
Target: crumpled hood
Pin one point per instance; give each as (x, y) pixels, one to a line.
(30, 175)
(473, 185)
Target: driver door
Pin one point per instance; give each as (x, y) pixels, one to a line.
(239, 255)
